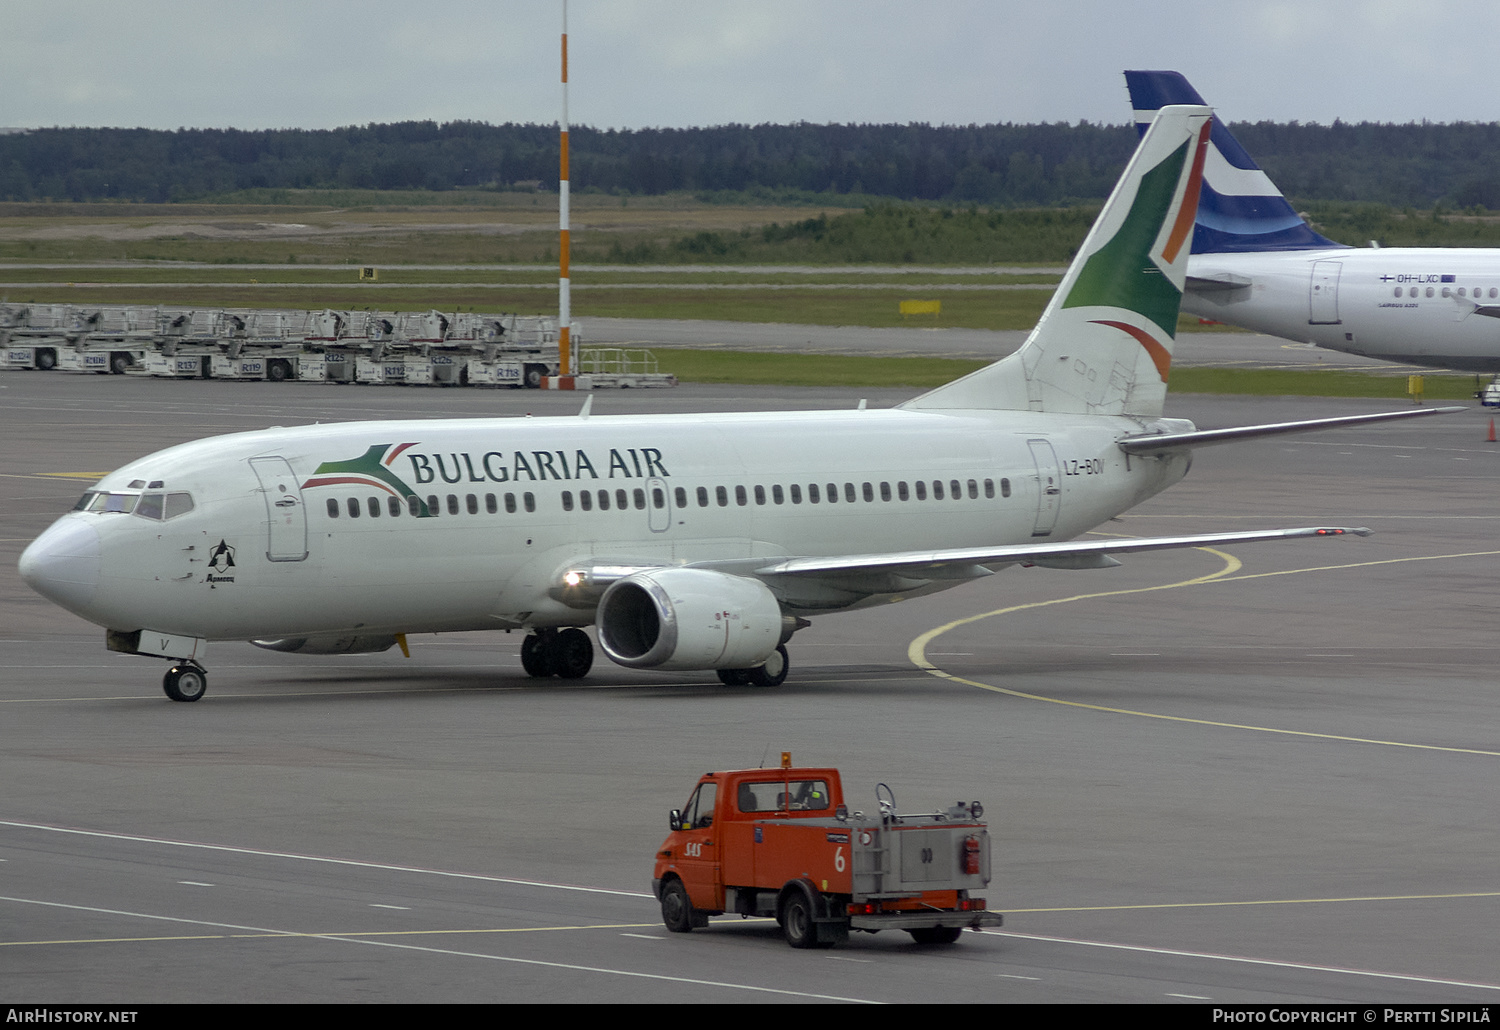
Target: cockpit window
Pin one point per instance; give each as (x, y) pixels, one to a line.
(155, 506)
(111, 502)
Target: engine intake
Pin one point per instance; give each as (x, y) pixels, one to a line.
(688, 619)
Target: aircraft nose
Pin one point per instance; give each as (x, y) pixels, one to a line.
(63, 564)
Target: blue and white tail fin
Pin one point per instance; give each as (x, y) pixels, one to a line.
(1241, 209)
(1104, 343)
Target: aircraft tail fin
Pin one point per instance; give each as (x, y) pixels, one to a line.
(1104, 343)
(1241, 209)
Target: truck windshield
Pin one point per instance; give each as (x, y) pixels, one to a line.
(779, 795)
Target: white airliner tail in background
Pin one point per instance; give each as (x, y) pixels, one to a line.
(689, 542)
(1256, 263)
(1240, 210)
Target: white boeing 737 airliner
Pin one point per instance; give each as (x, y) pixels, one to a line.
(1257, 264)
(691, 542)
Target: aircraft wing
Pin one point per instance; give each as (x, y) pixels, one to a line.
(1151, 443)
(1073, 554)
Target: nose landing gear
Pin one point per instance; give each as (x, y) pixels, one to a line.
(185, 682)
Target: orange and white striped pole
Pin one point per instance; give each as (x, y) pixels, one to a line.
(564, 313)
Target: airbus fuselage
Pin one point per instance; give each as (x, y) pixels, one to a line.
(1419, 306)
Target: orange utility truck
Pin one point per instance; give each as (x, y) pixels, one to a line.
(782, 842)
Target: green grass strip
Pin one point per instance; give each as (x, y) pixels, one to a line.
(1317, 383)
(758, 369)
(780, 369)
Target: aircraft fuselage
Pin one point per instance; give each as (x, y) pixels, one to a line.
(1419, 306)
(430, 526)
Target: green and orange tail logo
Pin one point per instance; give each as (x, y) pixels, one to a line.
(1104, 344)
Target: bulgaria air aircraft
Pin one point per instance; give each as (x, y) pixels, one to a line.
(691, 542)
(1257, 264)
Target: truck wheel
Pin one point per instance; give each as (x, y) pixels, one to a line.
(936, 934)
(119, 362)
(797, 922)
(46, 359)
(676, 907)
(278, 371)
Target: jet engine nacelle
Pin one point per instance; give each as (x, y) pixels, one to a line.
(688, 619)
(353, 644)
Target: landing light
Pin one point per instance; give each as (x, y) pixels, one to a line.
(572, 579)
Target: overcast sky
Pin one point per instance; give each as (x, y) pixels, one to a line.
(638, 63)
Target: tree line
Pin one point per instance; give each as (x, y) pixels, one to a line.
(989, 165)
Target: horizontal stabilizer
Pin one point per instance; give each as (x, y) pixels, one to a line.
(1204, 437)
(1216, 283)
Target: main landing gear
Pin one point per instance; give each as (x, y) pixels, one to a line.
(567, 653)
(185, 682)
(771, 674)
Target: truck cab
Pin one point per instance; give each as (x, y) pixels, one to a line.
(782, 843)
